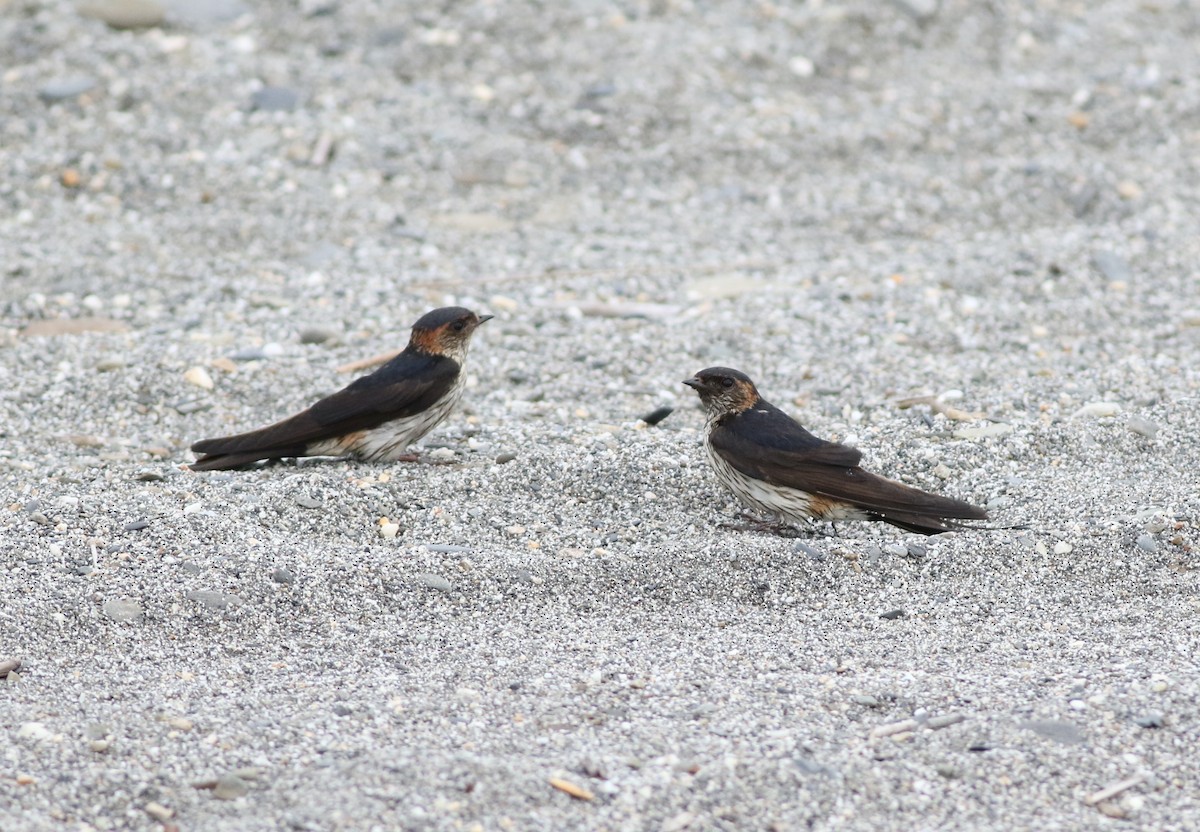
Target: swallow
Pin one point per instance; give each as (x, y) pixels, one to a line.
(773, 465)
(377, 416)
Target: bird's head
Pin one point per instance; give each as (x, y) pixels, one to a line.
(723, 391)
(446, 331)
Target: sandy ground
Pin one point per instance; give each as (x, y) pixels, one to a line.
(855, 202)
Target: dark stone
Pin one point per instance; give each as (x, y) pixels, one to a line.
(275, 100)
(1150, 719)
(655, 416)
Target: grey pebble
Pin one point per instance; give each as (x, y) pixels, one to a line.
(304, 501)
(898, 550)
(317, 335)
(147, 475)
(189, 406)
(214, 600)
(1112, 266)
(275, 100)
(124, 14)
(97, 730)
(248, 354)
(61, 89)
(434, 581)
(119, 609)
(1147, 543)
(230, 787)
(804, 549)
(866, 700)
(136, 525)
(1142, 427)
(1150, 719)
(197, 13)
(921, 11)
(892, 615)
(341, 709)
(916, 550)
(945, 721)
(283, 576)
(1066, 733)
(505, 457)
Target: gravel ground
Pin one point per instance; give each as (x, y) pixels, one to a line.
(856, 202)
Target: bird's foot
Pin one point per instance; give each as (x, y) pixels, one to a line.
(757, 524)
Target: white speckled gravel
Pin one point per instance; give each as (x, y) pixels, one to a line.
(855, 202)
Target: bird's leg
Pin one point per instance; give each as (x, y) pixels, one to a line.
(757, 524)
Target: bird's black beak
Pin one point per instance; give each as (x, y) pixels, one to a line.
(483, 319)
(693, 383)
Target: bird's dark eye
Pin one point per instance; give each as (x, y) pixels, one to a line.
(727, 382)
(458, 325)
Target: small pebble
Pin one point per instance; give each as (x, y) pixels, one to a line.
(1150, 719)
(158, 811)
(137, 525)
(804, 549)
(305, 501)
(388, 531)
(987, 431)
(124, 14)
(1099, 409)
(507, 456)
(230, 787)
(122, 609)
(283, 576)
(892, 615)
(655, 416)
(1147, 543)
(35, 731)
(275, 100)
(1112, 266)
(865, 700)
(1062, 547)
(214, 600)
(317, 335)
(1066, 733)
(434, 581)
(945, 721)
(199, 377)
(1142, 427)
(61, 89)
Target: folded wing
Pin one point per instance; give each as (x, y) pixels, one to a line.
(769, 445)
(404, 386)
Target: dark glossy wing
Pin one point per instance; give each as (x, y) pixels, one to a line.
(404, 386)
(767, 444)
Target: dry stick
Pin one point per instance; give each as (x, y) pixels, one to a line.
(937, 406)
(1113, 790)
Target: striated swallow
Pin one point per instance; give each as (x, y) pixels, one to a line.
(377, 416)
(775, 466)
